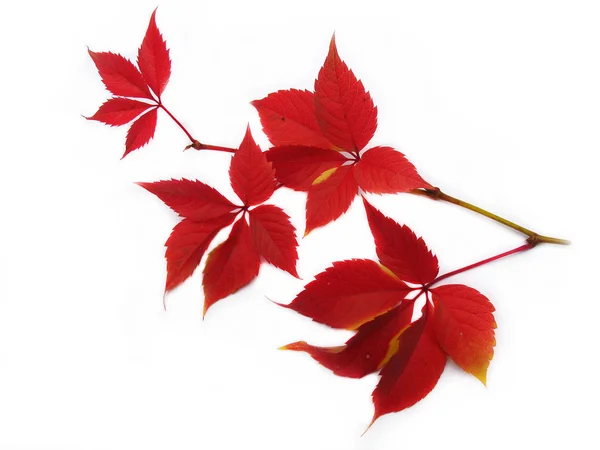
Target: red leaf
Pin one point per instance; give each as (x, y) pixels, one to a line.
(153, 58)
(119, 111)
(412, 372)
(252, 176)
(191, 199)
(297, 167)
(274, 237)
(383, 170)
(349, 294)
(374, 343)
(400, 250)
(288, 118)
(329, 199)
(231, 265)
(464, 327)
(119, 75)
(186, 246)
(343, 107)
(141, 131)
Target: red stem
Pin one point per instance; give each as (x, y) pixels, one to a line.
(190, 137)
(217, 148)
(522, 248)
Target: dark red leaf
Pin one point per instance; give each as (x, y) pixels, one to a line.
(297, 167)
(464, 327)
(383, 170)
(119, 75)
(343, 107)
(412, 372)
(330, 196)
(141, 131)
(119, 111)
(372, 346)
(288, 118)
(400, 250)
(274, 237)
(252, 176)
(349, 294)
(153, 58)
(192, 199)
(231, 265)
(186, 246)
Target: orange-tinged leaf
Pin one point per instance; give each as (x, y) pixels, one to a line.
(464, 327)
(153, 58)
(186, 246)
(288, 118)
(412, 372)
(252, 176)
(399, 249)
(366, 351)
(349, 294)
(231, 265)
(191, 198)
(274, 237)
(141, 131)
(343, 107)
(119, 111)
(383, 170)
(331, 198)
(119, 75)
(297, 167)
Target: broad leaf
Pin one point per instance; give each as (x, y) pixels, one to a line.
(119, 111)
(141, 131)
(153, 58)
(119, 75)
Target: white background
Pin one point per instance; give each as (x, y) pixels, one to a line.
(495, 102)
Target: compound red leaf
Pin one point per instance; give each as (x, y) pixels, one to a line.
(464, 327)
(153, 58)
(343, 107)
(141, 131)
(297, 167)
(119, 75)
(252, 176)
(119, 111)
(329, 199)
(274, 237)
(349, 294)
(399, 249)
(383, 170)
(231, 265)
(412, 372)
(288, 118)
(186, 246)
(191, 199)
(374, 343)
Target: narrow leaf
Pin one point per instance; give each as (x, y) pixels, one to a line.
(141, 131)
(119, 111)
(231, 265)
(191, 199)
(186, 246)
(288, 118)
(349, 294)
(119, 75)
(383, 170)
(274, 237)
(252, 176)
(343, 107)
(153, 58)
(464, 327)
(399, 249)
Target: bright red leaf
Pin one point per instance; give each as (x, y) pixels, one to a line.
(231, 265)
(153, 59)
(349, 294)
(120, 76)
(274, 237)
(120, 111)
(399, 249)
(252, 176)
(141, 131)
(464, 326)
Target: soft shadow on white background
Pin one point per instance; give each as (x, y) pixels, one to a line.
(495, 103)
